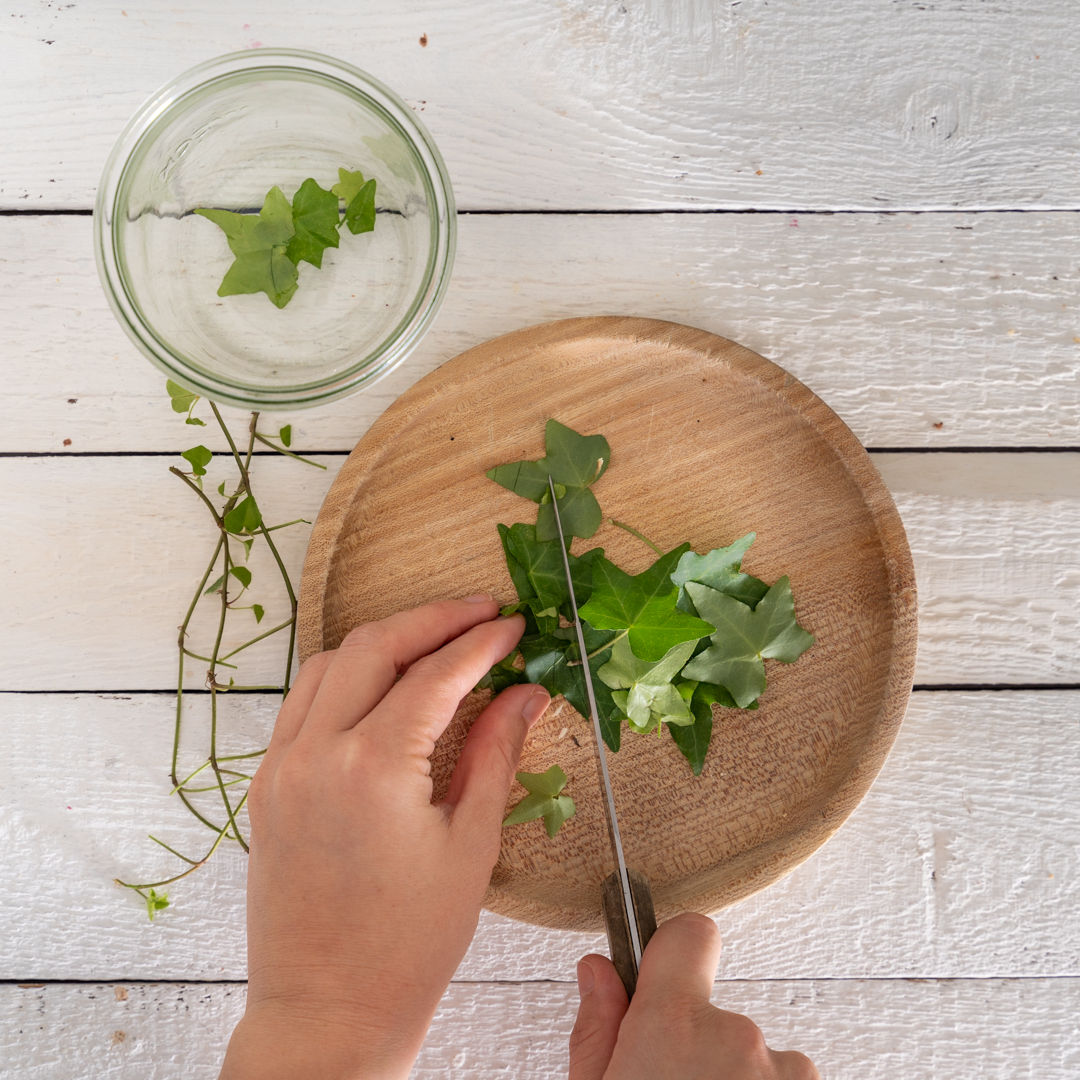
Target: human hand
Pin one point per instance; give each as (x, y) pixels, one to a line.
(362, 895)
(670, 1031)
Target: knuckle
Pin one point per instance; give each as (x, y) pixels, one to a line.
(796, 1066)
(361, 639)
(744, 1036)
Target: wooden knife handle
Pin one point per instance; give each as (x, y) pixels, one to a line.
(618, 926)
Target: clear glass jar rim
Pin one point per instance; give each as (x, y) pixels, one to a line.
(391, 352)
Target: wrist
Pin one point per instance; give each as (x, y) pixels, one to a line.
(269, 1044)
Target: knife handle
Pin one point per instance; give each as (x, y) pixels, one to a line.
(618, 926)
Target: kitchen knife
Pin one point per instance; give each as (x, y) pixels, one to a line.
(625, 896)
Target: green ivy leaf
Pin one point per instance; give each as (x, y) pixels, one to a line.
(182, 400)
(573, 461)
(544, 800)
(214, 586)
(259, 243)
(258, 611)
(643, 605)
(644, 690)
(198, 457)
(693, 739)
(243, 517)
(242, 574)
(285, 435)
(745, 637)
(315, 222)
(359, 198)
(155, 902)
(720, 569)
(194, 420)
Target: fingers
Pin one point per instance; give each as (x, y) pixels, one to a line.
(485, 770)
(680, 961)
(791, 1065)
(372, 656)
(295, 707)
(417, 710)
(603, 1006)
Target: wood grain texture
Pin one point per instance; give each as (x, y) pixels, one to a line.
(995, 537)
(711, 442)
(961, 861)
(930, 330)
(970, 1029)
(585, 105)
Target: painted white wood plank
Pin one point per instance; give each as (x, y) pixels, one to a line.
(919, 330)
(585, 105)
(853, 1030)
(102, 556)
(960, 862)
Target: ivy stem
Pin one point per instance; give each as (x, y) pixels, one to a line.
(607, 644)
(288, 453)
(641, 536)
(265, 634)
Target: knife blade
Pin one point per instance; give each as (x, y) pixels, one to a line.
(625, 896)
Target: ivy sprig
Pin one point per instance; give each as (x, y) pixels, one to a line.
(269, 247)
(238, 525)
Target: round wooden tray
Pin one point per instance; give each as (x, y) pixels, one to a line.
(708, 441)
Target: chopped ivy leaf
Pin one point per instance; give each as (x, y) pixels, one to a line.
(315, 223)
(573, 461)
(285, 435)
(544, 800)
(643, 605)
(745, 637)
(243, 517)
(181, 399)
(720, 570)
(258, 611)
(645, 691)
(198, 457)
(242, 574)
(259, 243)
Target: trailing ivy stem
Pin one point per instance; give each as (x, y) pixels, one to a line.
(641, 536)
(198, 491)
(180, 684)
(288, 453)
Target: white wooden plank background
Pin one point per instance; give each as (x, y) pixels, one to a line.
(994, 1029)
(936, 934)
(950, 868)
(900, 322)
(643, 103)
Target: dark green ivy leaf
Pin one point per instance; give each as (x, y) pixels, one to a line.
(574, 462)
(643, 605)
(315, 223)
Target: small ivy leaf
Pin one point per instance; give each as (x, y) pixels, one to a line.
(221, 488)
(242, 574)
(643, 690)
(247, 546)
(214, 586)
(359, 198)
(285, 435)
(693, 739)
(315, 220)
(573, 462)
(155, 902)
(195, 421)
(243, 517)
(544, 800)
(198, 457)
(258, 611)
(348, 185)
(745, 637)
(259, 243)
(181, 399)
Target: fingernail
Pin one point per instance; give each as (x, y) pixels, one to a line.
(478, 598)
(585, 979)
(535, 705)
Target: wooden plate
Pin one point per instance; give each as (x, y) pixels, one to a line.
(708, 441)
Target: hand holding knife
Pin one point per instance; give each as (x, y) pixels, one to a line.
(625, 896)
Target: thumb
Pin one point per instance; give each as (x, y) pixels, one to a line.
(603, 1005)
(485, 770)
